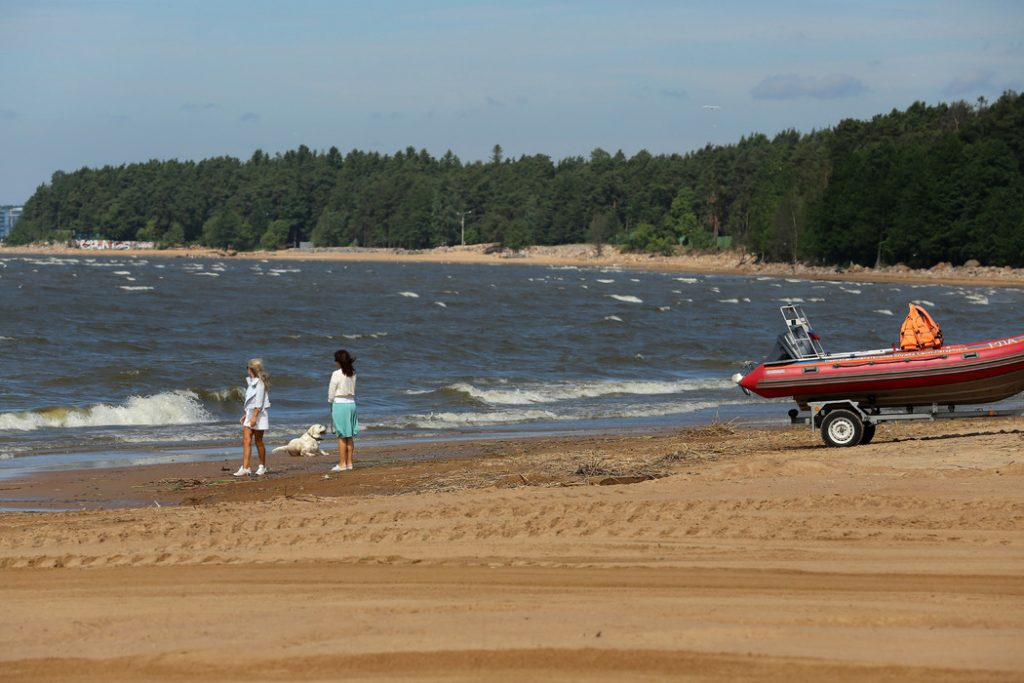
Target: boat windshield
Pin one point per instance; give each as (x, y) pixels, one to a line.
(799, 340)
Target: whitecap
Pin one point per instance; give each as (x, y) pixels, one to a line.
(411, 295)
(122, 272)
(728, 301)
(208, 274)
(554, 393)
(664, 308)
(441, 304)
(606, 282)
(977, 299)
(628, 298)
(613, 318)
(882, 311)
(130, 288)
(687, 280)
(850, 291)
(791, 300)
(924, 302)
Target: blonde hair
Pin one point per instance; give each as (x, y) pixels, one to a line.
(257, 365)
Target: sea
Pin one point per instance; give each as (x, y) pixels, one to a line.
(107, 360)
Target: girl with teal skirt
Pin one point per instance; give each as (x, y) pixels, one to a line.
(342, 397)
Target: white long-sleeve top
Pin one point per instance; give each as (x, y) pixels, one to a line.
(342, 386)
(256, 394)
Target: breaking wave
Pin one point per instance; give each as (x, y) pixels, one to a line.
(568, 392)
(168, 408)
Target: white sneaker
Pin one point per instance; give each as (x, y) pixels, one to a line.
(337, 468)
(242, 472)
(348, 467)
(261, 470)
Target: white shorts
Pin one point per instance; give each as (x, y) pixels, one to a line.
(262, 422)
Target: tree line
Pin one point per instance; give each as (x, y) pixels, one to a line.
(920, 186)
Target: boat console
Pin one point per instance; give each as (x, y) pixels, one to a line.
(798, 342)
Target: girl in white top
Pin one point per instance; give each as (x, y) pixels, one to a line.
(257, 418)
(342, 396)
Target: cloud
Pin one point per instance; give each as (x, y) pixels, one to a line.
(492, 102)
(249, 116)
(675, 93)
(970, 82)
(198, 106)
(791, 86)
(7, 114)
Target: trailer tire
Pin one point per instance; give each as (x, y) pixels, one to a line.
(869, 433)
(842, 429)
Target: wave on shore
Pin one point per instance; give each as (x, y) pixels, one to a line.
(168, 408)
(553, 393)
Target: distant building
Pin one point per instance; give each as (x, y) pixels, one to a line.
(9, 215)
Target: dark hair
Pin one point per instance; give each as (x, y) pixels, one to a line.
(342, 358)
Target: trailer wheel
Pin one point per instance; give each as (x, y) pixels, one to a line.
(841, 428)
(869, 433)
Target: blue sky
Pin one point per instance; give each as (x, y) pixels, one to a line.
(92, 82)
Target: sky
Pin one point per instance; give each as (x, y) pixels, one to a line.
(98, 82)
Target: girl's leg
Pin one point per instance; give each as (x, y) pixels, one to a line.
(350, 447)
(260, 448)
(341, 451)
(246, 446)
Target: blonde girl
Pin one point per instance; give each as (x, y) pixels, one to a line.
(256, 419)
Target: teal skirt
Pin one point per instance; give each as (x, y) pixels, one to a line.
(346, 424)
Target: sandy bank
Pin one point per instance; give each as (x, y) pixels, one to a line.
(584, 255)
(707, 554)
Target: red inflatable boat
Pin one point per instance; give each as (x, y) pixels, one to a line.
(982, 372)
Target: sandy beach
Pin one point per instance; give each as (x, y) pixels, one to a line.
(583, 255)
(704, 554)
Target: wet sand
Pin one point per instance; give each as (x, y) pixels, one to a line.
(703, 554)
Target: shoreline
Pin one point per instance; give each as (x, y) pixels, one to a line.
(610, 458)
(578, 255)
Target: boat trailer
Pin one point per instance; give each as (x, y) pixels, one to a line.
(845, 423)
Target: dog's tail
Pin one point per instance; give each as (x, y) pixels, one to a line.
(279, 449)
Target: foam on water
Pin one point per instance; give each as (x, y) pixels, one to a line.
(882, 311)
(130, 288)
(411, 295)
(628, 298)
(168, 408)
(543, 393)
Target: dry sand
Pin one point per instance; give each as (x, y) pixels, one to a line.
(709, 554)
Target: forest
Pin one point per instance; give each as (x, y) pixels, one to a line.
(939, 183)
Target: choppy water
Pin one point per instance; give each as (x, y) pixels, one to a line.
(106, 359)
